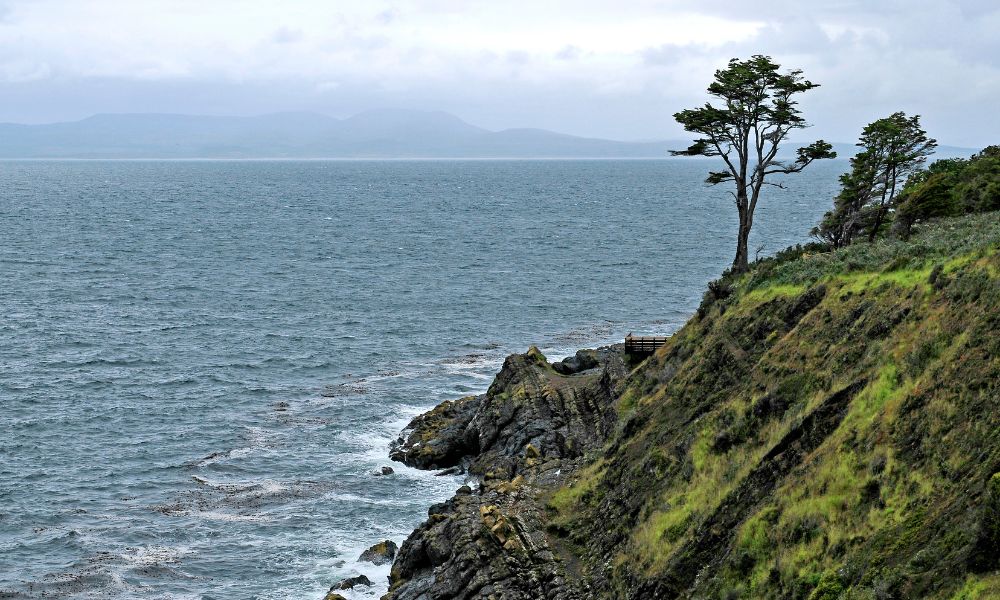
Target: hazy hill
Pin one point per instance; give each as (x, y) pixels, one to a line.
(375, 134)
(371, 134)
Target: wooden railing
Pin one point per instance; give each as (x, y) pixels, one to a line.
(646, 344)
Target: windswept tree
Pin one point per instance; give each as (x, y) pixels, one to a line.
(897, 146)
(928, 194)
(757, 113)
(892, 149)
(839, 226)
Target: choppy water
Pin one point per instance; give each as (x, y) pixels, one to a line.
(202, 363)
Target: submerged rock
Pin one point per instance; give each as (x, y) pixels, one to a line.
(381, 553)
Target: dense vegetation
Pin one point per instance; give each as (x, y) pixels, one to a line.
(827, 426)
(887, 191)
(892, 149)
(951, 187)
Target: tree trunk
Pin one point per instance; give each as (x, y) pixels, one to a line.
(741, 263)
(879, 216)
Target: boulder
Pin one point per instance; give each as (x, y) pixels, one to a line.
(381, 553)
(351, 582)
(582, 361)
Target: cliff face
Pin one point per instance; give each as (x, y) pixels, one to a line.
(827, 426)
(536, 422)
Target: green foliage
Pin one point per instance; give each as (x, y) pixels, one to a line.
(759, 112)
(892, 148)
(829, 588)
(930, 199)
(979, 588)
(978, 186)
(947, 188)
(946, 240)
(951, 187)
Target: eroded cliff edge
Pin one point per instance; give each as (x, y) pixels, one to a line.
(826, 426)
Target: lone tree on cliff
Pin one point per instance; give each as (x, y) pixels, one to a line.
(757, 116)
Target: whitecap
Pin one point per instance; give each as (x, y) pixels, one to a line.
(212, 515)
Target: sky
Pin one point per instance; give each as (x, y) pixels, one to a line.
(612, 69)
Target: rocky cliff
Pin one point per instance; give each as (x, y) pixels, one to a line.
(826, 426)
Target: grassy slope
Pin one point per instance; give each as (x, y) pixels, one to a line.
(826, 427)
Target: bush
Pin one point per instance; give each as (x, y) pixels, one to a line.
(947, 188)
(930, 199)
(829, 588)
(978, 186)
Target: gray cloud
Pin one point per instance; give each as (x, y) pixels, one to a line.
(585, 67)
(568, 52)
(286, 35)
(386, 16)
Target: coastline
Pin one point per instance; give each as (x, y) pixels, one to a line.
(596, 477)
(529, 432)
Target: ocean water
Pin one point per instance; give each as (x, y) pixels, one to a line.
(202, 363)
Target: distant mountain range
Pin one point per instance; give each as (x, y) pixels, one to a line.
(372, 134)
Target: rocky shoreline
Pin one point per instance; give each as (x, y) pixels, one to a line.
(822, 428)
(525, 436)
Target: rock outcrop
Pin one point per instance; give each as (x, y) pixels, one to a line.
(526, 433)
(827, 426)
(352, 582)
(531, 411)
(380, 554)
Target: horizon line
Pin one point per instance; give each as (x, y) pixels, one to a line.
(684, 141)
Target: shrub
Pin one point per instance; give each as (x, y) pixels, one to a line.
(829, 587)
(930, 199)
(978, 186)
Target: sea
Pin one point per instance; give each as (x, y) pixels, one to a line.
(203, 363)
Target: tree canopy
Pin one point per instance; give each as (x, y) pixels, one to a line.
(757, 113)
(892, 149)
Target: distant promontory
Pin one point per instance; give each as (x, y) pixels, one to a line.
(388, 133)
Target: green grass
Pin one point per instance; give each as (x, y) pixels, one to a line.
(979, 587)
(884, 498)
(940, 242)
(766, 294)
(567, 497)
(904, 278)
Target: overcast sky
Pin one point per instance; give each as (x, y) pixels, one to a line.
(609, 69)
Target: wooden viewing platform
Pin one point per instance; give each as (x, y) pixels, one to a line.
(643, 344)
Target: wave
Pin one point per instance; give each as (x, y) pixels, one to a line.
(101, 362)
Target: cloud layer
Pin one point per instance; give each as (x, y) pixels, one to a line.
(606, 69)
